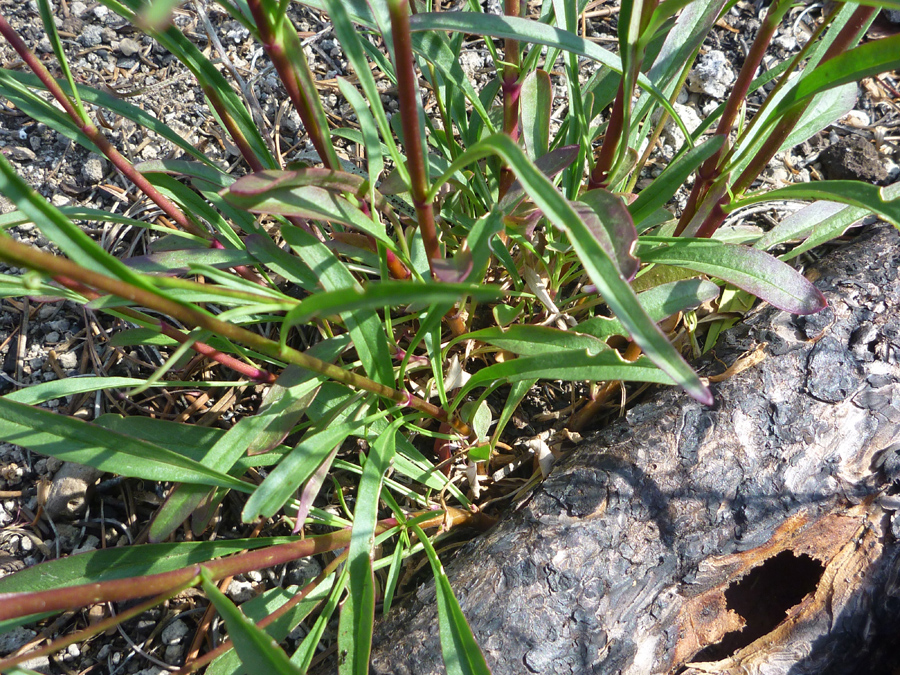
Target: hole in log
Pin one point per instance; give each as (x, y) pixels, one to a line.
(763, 597)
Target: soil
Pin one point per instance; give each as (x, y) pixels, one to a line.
(43, 339)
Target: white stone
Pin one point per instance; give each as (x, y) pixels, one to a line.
(857, 119)
(93, 170)
(711, 75)
(240, 591)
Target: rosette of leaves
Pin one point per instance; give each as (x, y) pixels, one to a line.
(479, 222)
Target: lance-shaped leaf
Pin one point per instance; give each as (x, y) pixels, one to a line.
(74, 440)
(747, 268)
(550, 164)
(358, 613)
(608, 220)
(568, 366)
(306, 201)
(462, 655)
(659, 302)
(884, 202)
(535, 101)
(525, 340)
(671, 179)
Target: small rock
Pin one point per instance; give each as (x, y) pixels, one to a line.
(853, 158)
(174, 653)
(77, 8)
(59, 199)
(301, 572)
(240, 591)
(40, 664)
(52, 337)
(857, 119)
(101, 12)
(68, 360)
(93, 170)
(672, 134)
(712, 75)
(129, 47)
(90, 36)
(175, 632)
(90, 544)
(20, 153)
(68, 491)
(14, 639)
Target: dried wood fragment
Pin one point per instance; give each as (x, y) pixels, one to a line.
(756, 536)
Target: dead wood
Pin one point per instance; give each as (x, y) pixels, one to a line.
(754, 536)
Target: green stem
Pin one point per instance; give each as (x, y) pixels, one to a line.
(25, 256)
(848, 36)
(285, 51)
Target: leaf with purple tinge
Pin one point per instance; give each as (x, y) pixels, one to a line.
(747, 268)
(550, 165)
(258, 183)
(453, 270)
(608, 219)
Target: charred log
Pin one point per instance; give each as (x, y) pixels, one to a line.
(754, 536)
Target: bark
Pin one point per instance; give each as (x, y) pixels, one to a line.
(754, 536)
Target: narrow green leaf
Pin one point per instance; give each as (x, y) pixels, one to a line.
(569, 366)
(74, 440)
(358, 613)
(261, 607)
(871, 58)
(671, 179)
(600, 268)
(376, 295)
(536, 100)
(525, 30)
(660, 302)
(258, 652)
(280, 485)
(365, 327)
(884, 201)
(126, 562)
(525, 340)
(462, 655)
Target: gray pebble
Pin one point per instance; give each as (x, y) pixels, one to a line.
(90, 36)
(175, 632)
(93, 170)
(129, 47)
(15, 639)
(68, 361)
(68, 491)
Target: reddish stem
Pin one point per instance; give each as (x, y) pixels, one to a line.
(407, 92)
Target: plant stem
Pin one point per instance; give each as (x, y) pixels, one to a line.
(25, 256)
(710, 169)
(249, 371)
(90, 130)
(297, 84)
(846, 38)
(512, 89)
(407, 92)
